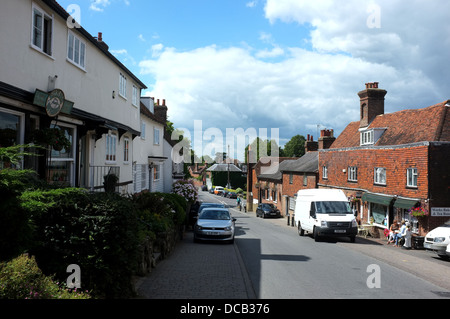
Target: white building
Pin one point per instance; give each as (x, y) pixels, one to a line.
(44, 59)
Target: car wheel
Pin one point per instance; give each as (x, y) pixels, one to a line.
(316, 234)
(301, 231)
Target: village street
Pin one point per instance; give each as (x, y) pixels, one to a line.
(270, 261)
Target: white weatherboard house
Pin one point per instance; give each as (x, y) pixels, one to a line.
(55, 75)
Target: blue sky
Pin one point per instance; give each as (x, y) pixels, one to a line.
(286, 64)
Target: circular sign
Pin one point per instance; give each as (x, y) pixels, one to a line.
(54, 103)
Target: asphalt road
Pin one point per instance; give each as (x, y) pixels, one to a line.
(283, 265)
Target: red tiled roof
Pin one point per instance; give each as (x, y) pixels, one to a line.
(404, 127)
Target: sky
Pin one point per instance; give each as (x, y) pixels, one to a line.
(287, 66)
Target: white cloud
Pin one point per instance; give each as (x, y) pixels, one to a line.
(236, 88)
(99, 5)
(251, 4)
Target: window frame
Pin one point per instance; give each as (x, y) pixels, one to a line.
(367, 137)
(324, 172)
(156, 136)
(123, 86)
(45, 45)
(111, 148)
(414, 175)
(81, 53)
(126, 150)
(378, 175)
(135, 97)
(352, 175)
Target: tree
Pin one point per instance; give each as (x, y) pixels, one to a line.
(262, 148)
(295, 147)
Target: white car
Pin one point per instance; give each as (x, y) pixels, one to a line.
(448, 251)
(214, 223)
(438, 240)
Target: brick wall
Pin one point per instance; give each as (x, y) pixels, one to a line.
(395, 160)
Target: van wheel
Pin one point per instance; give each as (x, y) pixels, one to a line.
(352, 239)
(316, 234)
(301, 231)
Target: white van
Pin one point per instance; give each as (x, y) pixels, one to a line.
(324, 212)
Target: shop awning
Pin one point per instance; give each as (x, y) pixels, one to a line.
(405, 203)
(378, 199)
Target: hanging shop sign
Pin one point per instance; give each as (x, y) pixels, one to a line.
(54, 102)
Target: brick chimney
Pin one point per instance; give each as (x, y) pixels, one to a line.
(371, 103)
(161, 111)
(326, 139)
(100, 41)
(310, 144)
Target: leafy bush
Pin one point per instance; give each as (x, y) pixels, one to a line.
(98, 232)
(15, 229)
(21, 278)
(185, 189)
(160, 212)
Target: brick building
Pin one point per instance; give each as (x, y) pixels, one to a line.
(388, 164)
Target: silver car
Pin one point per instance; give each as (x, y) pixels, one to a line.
(214, 224)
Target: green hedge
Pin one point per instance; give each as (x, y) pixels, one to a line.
(98, 232)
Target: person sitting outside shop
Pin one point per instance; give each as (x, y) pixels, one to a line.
(399, 234)
(392, 231)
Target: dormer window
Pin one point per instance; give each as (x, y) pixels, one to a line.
(371, 136)
(367, 137)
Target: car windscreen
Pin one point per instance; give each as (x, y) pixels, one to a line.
(215, 215)
(268, 206)
(331, 207)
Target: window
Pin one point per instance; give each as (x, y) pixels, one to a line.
(143, 130)
(135, 96)
(76, 50)
(305, 180)
(61, 169)
(123, 86)
(156, 172)
(324, 172)
(380, 175)
(367, 138)
(41, 38)
(411, 177)
(353, 174)
(126, 150)
(111, 145)
(156, 136)
(291, 179)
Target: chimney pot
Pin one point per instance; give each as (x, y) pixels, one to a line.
(100, 37)
(164, 102)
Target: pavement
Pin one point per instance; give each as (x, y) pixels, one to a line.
(194, 270)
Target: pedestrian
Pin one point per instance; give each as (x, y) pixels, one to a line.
(238, 200)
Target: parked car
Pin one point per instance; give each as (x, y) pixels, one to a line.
(217, 189)
(214, 224)
(448, 251)
(438, 240)
(209, 205)
(231, 195)
(267, 210)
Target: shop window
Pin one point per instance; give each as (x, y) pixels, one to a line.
(62, 162)
(379, 214)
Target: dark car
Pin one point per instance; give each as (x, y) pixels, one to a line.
(267, 210)
(231, 195)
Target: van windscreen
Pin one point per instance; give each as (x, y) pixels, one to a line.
(333, 208)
